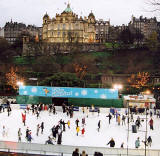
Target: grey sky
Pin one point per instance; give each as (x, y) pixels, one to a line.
(31, 11)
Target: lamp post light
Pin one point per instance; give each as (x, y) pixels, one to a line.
(20, 83)
(117, 86)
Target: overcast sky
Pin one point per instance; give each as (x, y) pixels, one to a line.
(31, 11)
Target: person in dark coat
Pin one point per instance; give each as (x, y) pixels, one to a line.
(77, 121)
(49, 141)
(99, 125)
(42, 127)
(75, 152)
(59, 141)
(149, 141)
(151, 124)
(110, 117)
(29, 138)
(111, 142)
(27, 131)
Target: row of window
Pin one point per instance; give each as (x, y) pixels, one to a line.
(64, 34)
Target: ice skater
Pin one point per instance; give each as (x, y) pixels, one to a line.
(83, 122)
(24, 118)
(77, 129)
(83, 131)
(42, 127)
(4, 131)
(109, 117)
(137, 143)
(99, 125)
(68, 123)
(123, 120)
(19, 135)
(38, 127)
(111, 143)
(151, 124)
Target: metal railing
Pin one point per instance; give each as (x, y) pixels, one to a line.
(65, 150)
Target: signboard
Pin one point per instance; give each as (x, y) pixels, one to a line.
(68, 92)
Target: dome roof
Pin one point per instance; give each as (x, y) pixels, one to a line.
(91, 14)
(68, 9)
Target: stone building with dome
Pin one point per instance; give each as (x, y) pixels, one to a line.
(67, 27)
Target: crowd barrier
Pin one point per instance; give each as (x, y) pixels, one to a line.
(60, 150)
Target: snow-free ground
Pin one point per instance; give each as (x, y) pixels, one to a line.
(91, 137)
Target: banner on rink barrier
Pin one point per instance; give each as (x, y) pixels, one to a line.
(68, 92)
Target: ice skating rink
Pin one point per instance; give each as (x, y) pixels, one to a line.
(91, 137)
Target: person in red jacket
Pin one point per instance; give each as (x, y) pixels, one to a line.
(83, 130)
(24, 118)
(151, 123)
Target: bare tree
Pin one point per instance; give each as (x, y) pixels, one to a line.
(154, 5)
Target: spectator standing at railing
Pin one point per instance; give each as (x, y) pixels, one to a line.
(75, 152)
(83, 154)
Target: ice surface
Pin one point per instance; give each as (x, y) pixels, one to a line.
(91, 137)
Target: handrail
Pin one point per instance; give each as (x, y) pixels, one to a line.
(66, 149)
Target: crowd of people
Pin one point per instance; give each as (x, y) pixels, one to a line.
(57, 130)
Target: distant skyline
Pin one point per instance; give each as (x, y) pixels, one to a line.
(32, 11)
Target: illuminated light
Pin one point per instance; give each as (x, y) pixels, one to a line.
(19, 83)
(117, 86)
(148, 92)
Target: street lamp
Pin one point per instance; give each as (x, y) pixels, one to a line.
(20, 83)
(117, 86)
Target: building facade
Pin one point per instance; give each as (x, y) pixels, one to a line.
(67, 27)
(13, 30)
(1, 32)
(143, 25)
(102, 31)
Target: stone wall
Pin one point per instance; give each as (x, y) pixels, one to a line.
(43, 48)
